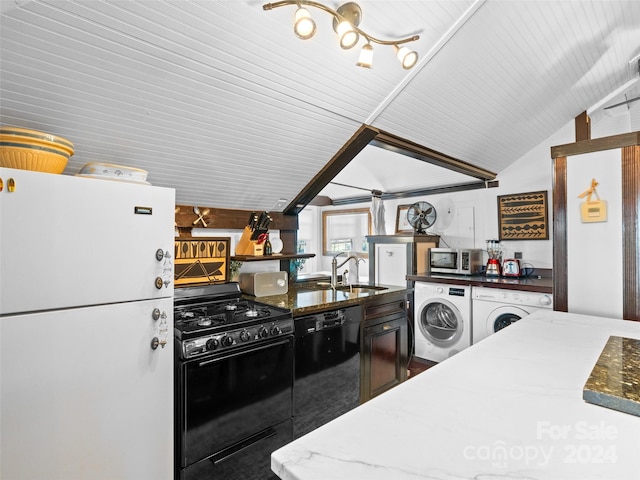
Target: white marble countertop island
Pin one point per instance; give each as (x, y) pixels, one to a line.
(509, 407)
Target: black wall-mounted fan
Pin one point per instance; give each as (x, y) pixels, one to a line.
(421, 215)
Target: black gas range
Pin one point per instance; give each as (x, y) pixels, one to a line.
(215, 319)
(234, 383)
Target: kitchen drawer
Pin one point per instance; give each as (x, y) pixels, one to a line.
(392, 307)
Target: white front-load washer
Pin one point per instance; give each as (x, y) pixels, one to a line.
(442, 319)
(494, 308)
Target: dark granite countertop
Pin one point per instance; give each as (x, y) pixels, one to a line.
(614, 381)
(307, 298)
(529, 284)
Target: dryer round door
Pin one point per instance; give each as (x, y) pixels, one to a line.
(440, 322)
(503, 317)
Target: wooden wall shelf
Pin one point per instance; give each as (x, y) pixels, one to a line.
(228, 219)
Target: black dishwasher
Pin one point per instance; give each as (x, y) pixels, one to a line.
(327, 367)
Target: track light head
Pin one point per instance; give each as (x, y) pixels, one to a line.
(347, 36)
(303, 25)
(349, 16)
(408, 58)
(366, 56)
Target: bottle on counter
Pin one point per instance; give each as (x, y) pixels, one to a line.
(268, 249)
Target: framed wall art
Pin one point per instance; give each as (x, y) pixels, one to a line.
(402, 224)
(523, 216)
(201, 260)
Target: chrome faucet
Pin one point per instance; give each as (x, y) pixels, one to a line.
(358, 260)
(335, 266)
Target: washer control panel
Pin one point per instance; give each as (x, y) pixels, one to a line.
(512, 297)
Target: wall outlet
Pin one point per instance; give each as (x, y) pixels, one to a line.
(517, 255)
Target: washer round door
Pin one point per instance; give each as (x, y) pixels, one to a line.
(504, 316)
(441, 322)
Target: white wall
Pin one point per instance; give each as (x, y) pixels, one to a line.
(594, 261)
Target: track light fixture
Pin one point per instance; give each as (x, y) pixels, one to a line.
(345, 23)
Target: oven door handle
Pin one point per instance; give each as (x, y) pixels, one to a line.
(235, 449)
(251, 350)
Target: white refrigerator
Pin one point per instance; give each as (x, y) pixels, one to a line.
(86, 328)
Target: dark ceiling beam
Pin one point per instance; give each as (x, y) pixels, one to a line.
(413, 193)
(597, 144)
(393, 143)
(583, 127)
(321, 201)
(368, 135)
(348, 152)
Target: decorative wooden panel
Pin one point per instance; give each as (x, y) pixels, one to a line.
(201, 260)
(631, 231)
(523, 216)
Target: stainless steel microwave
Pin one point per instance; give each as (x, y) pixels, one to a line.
(460, 261)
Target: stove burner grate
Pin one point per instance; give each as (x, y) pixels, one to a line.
(220, 315)
(240, 310)
(204, 322)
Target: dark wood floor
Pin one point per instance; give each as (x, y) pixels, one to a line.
(419, 365)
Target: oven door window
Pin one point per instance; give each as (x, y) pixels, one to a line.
(229, 398)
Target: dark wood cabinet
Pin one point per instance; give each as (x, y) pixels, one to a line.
(384, 348)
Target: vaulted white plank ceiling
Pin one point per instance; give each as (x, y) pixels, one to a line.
(221, 101)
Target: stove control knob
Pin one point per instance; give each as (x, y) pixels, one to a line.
(276, 330)
(263, 332)
(226, 341)
(245, 336)
(212, 344)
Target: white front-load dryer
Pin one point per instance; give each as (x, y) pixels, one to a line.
(442, 320)
(494, 309)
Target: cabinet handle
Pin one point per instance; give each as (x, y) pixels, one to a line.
(386, 326)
